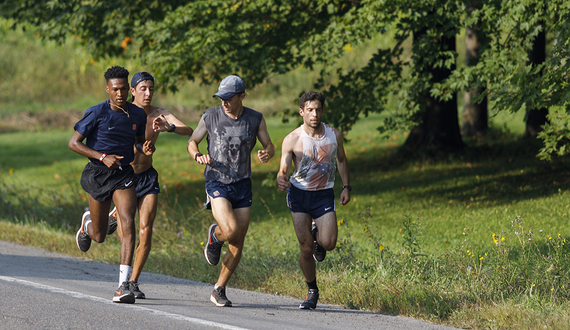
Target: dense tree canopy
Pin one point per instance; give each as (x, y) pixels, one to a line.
(208, 39)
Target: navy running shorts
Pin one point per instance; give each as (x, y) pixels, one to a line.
(238, 193)
(315, 203)
(100, 182)
(147, 182)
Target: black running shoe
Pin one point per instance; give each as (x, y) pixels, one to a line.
(134, 286)
(219, 298)
(320, 252)
(82, 238)
(112, 221)
(311, 300)
(123, 294)
(212, 250)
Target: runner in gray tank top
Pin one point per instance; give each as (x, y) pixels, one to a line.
(232, 131)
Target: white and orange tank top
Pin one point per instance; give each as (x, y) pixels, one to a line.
(316, 170)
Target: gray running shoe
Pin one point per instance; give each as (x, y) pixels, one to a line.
(219, 298)
(320, 252)
(123, 294)
(82, 238)
(134, 286)
(212, 250)
(311, 300)
(112, 221)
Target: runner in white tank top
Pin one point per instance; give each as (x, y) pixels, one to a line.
(315, 149)
(318, 166)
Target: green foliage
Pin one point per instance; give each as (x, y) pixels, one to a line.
(556, 134)
(206, 40)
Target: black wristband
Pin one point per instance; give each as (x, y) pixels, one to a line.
(172, 128)
(197, 155)
(349, 187)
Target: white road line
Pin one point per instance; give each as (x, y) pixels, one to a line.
(108, 301)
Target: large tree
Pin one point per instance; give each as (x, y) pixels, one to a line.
(475, 114)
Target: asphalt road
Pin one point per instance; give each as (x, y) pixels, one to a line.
(44, 290)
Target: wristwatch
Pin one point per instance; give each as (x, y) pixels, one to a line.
(197, 155)
(349, 187)
(172, 128)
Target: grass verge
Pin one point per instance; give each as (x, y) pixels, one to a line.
(477, 241)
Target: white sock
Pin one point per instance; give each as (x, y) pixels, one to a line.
(124, 273)
(85, 227)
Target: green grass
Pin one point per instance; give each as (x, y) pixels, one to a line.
(405, 235)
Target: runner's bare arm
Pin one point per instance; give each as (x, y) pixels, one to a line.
(163, 122)
(145, 147)
(76, 144)
(197, 137)
(269, 149)
(285, 164)
(342, 164)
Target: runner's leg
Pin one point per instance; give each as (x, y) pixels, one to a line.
(302, 224)
(126, 202)
(147, 213)
(232, 228)
(99, 212)
(328, 230)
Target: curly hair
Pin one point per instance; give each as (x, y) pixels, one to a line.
(311, 96)
(116, 72)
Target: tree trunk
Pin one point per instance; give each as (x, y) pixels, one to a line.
(439, 127)
(535, 118)
(475, 116)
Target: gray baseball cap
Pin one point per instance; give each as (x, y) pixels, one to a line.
(230, 86)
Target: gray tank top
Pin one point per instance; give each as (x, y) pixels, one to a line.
(230, 142)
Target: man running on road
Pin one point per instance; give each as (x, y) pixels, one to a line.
(111, 129)
(232, 130)
(316, 150)
(147, 187)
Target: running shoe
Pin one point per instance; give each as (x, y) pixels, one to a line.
(82, 238)
(112, 221)
(212, 250)
(320, 252)
(311, 300)
(219, 298)
(123, 294)
(134, 286)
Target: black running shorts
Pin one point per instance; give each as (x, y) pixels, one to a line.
(147, 182)
(239, 194)
(316, 203)
(100, 182)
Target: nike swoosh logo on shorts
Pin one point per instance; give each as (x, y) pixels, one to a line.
(328, 208)
(110, 128)
(128, 183)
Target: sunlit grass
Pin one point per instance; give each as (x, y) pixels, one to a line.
(429, 238)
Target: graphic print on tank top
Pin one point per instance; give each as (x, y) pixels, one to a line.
(230, 142)
(317, 167)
